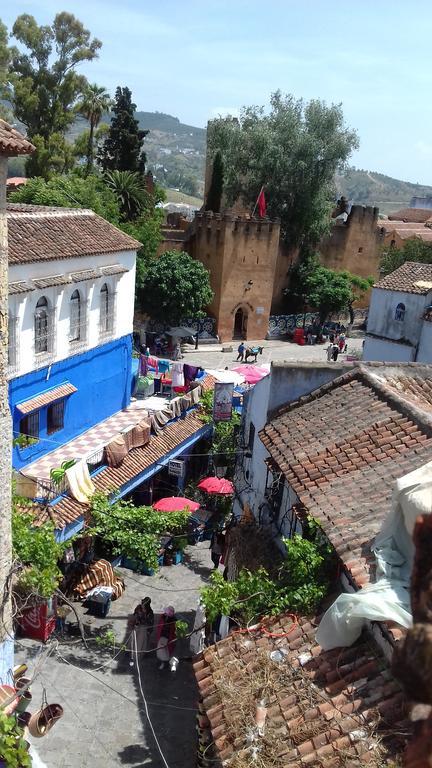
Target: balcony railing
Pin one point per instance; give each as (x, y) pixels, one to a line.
(44, 340)
(78, 335)
(106, 327)
(13, 347)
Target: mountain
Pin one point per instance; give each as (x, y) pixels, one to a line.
(370, 188)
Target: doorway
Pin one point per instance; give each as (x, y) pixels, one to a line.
(240, 324)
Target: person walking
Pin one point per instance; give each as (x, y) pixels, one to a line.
(141, 627)
(166, 636)
(216, 547)
(241, 351)
(335, 352)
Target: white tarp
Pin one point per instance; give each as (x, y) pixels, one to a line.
(389, 598)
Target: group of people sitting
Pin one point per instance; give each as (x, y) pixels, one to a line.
(141, 627)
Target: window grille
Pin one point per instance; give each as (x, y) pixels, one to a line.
(400, 312)
(13, 346)
(55, 416)
(106, 313)
(29, 425)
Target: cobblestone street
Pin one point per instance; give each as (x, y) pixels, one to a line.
(104, 723)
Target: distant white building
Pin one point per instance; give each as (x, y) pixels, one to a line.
(399, 327)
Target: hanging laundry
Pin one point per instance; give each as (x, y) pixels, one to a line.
(143, 366)
(177, 375)
(116, 451)
(164, 366)
(80, 483)
(138, 436)
(190, 373)
(175, 406)
(194, 395)
(153, 362)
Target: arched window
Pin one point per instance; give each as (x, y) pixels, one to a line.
(104, 309)
(41, 326)
(400, 312)
(75, 317)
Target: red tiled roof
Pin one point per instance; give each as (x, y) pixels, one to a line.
(68, 509)
(13, 143)
(411, 277)
(342, 447)
(415, 215)
(322, 706)
(57, 393)
(40, 233)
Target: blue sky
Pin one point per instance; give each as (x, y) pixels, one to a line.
(195, 59)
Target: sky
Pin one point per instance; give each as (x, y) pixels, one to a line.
(196, 59)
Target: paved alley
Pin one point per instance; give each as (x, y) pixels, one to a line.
(104, 723)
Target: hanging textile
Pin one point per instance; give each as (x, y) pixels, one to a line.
(138, 435)
(116, 451)
(177, 375)
(143, 365)
(153, 362)
(80, 483)
(164, 366)
(185, 403)
(190, 373)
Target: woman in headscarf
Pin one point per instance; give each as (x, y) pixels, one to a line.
(166, 636)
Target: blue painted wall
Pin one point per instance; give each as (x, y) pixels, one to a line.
(102, 377)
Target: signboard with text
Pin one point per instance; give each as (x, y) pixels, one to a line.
(222, 401)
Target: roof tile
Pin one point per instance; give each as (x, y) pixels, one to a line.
(411, 277)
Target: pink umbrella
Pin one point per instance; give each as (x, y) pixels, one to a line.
(252, 373)
(217, 486)
(175, 504)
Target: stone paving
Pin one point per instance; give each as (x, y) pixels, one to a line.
(213, 357)
(104, 724)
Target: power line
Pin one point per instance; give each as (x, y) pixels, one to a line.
(146, 707)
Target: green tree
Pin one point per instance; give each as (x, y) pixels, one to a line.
(412, 250)
(122, 149)
(44, 83)
(5, 56)
(53, 155)
(71, 191)
(214, 197)
(175, 287)
(328, 291)
(130, 191)
(95, 102)
(294, 150)
(37, 552)
(80, 147)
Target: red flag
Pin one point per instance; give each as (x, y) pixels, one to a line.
(261, 202)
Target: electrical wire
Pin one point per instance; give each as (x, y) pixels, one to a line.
(146, 706)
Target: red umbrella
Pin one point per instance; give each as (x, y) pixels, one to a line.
(175, 504)
(218, 486)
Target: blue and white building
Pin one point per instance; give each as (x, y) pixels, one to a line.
(71, 303)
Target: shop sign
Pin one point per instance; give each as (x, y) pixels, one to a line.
(176, 468)
(222, 401)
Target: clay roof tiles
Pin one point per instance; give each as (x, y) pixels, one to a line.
(41, 233)
(415, 215)
(12, 142)
(342, 448)
(57, 393)
(68, 510)
(411, 277)
(338, 707)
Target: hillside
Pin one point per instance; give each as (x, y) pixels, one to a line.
(370, 188)
(176, 155)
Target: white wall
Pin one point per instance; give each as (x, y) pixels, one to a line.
(381, 318)
(424, 350)
(387, 351)
(23, 306)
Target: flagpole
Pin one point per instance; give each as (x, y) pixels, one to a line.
(256, 203)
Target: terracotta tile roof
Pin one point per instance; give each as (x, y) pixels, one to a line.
(390, 225)
(67, 509)
(57, 393)
(342, 447)
(19, 287)
(48, 282)
(415, 215)
(324, 708)
(411, 277)
(114, 269)
(85, 274)
(40, 233)
(13, 143)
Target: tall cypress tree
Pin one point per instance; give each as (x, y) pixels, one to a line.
(123, 149)
(214, 197)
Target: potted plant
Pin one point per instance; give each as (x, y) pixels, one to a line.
(13, 747)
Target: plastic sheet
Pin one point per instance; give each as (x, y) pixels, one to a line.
(389, 598)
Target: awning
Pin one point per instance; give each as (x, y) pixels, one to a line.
(85, 274)
(45, 398)
(20, 287)
(51, 281)
(114, 269)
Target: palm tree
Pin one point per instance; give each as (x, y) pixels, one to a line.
(96, 100)
(128, 187)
